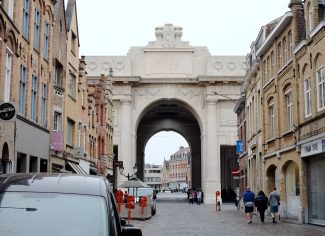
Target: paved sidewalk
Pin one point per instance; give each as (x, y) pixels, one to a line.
(175, 218)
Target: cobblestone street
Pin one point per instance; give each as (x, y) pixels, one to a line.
(176, 217)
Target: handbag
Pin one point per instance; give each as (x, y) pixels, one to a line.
(249, 204)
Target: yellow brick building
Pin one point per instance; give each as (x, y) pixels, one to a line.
(26, 62)
(285, 107)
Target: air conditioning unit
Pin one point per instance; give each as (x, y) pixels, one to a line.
(78, 152)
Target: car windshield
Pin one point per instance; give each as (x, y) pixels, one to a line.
(52, 214)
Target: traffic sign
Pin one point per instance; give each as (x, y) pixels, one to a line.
(235, 172)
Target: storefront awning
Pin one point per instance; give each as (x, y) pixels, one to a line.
(77, 168)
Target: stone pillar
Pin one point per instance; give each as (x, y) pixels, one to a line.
(27, 163)
(126, 139)
(211, 159)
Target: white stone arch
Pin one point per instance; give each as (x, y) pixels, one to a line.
(207, 86)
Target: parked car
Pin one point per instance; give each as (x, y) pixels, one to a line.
(59, 205)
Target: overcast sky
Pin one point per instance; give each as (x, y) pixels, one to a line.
(225, 27)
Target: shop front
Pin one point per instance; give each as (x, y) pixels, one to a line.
(314, 154)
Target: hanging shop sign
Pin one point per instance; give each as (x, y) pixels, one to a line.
(7, 111)
(239, 147)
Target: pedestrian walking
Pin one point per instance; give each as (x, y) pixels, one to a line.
(249, 197)
(261, 204)
(274, 202)
(199, 196)
(125, 196)
(190, 197)
(195, 196)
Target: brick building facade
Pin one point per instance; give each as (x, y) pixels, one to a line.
(284, 107)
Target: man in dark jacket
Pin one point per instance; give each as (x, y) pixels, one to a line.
(261, 204)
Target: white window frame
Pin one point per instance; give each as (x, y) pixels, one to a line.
(11, 9)
(285, 50)
(82, 97)
(280, 56)
(307, 93)
(22, 89)
(272, 119)
(8, 75)
(44, 105)
(58, 74)
(320, 81)
(70, 131)
(272, 64)
(258, 108)
(25, 26)
(289, 43)
(79, 133)
(72, 85)
(84, 137)
(34, 97)
(56, 121)
(37, 24)
(288, 96)
(46, 40)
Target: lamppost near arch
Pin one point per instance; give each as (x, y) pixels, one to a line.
(129, 176)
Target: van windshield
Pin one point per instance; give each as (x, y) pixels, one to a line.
(52, 214)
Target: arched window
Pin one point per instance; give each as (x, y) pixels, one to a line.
(307, 96)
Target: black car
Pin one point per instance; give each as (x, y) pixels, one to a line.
(59, 205)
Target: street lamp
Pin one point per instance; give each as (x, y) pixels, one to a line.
(128, 176)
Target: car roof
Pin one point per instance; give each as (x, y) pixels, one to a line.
(55, 183)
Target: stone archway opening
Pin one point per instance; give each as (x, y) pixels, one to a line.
(270, 178)
(169, 153)
(292, 188)
(171, 115)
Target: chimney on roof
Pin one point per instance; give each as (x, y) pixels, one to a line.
(298, 21)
